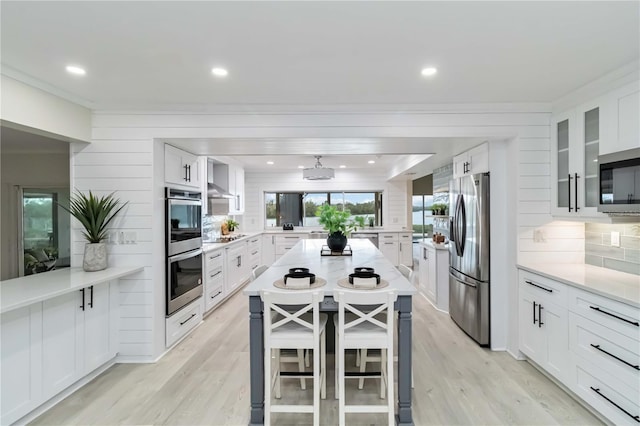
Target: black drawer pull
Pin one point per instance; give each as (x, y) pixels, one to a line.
(596, 308)
(637, 367)
(539, 286)
(187, 320)
(636, 418)
(216, 274)
(213, 297)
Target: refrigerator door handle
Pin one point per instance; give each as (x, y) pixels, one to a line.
(462, 279)
(456, 223)
(463, 237)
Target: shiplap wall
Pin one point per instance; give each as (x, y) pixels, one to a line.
(136, 140)
(257, 183)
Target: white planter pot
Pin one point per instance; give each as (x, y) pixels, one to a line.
(95, 257)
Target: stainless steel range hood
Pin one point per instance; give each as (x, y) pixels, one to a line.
(214, 191)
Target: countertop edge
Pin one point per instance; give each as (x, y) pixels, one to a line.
(533, 269)
(88, 280)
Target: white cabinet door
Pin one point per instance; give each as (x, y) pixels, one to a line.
(624, 124)
(237, 269)
(268, 250)
(181, 167)
(432, 287)
(62, 335)
(239, 190)
(459, 165)
(21, 362)
(533, 342)
(555, 323)
(423, 269)
(98, 345)
(563, 164)
(478, 159)
(405, 249)
(390, 251)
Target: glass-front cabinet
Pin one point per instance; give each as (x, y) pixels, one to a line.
(575, 147)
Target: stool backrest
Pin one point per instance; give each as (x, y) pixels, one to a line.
(290, 307)
(258, 271)
(365, 306)
(406, 271)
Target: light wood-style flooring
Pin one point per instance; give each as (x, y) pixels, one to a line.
(205, 381)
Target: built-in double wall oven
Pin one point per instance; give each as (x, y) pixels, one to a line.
(183, 247)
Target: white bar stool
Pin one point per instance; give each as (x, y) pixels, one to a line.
(294, 330)
(365, 330)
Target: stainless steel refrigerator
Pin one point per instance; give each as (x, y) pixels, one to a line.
(469, 252)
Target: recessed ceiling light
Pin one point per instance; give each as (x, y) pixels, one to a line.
(75, 70)
(372, 162)
(219, 72)
(342, 166)
(301, 167)
(270, 163)
(429, 71)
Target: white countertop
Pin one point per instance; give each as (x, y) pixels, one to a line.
(212, 246)
(306, 253)
(606, 282)
(429, 242)
(19, 292)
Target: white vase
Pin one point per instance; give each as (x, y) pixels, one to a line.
(95, 257)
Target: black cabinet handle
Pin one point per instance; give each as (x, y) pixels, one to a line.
(216, 274)
(636, 418)
(188, 319)
(186, 179)
(596, 308)
(540, 308)
(575, 183)
(91, 297)
(569, 191)
(534, 312)
(213, 297)
(82, 306)
(539, 286)
(637, 367)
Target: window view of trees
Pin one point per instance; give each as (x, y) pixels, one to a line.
(422, 220)
(358, 203)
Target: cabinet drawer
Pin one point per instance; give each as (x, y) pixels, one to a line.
(254, 261)
(611, 351)
(620, 317)
(387, 236)
(214, 275)
(180, 323)
(612, 398)
(405, 237)
(213, 259)
(544, 288)
(213, 296)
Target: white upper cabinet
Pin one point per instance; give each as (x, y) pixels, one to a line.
(623, 127)
(181, 167)
(575, 146)
(476, 160)
(236, 187)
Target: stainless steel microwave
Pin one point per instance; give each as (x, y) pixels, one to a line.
(619, 182)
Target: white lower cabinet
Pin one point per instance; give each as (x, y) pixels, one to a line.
(405, 249)
(213, 279)
(434, 275)
(285, 242)
(388, 245)
(589, 342)
(237, 270)
(181, 322)
(52, 344)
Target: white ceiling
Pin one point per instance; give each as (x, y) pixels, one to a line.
(158, 55)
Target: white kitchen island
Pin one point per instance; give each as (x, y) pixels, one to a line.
(306, 253)
(58, 329)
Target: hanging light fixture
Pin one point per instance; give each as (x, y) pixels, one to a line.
(319, 172)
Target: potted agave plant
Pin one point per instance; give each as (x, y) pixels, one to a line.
(339, 225)
(94, 213)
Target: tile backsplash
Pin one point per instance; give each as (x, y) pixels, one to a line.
(598, 250)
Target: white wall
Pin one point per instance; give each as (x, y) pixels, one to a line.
(31, 107)
(45, 170)
(129, 138)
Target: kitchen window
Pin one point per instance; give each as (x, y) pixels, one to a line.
(300, 208)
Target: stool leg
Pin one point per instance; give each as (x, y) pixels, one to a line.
(323, 365)
(303, 382)
(384, 378)
(277, 373)
(357, 357)
(341, 400)
(390, 390)
(336, 362)
(363, 367)
(267, 386)
(317, 376)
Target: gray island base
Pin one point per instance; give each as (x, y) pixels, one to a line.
(332, 268)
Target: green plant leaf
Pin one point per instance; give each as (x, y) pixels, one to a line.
(94, 213)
